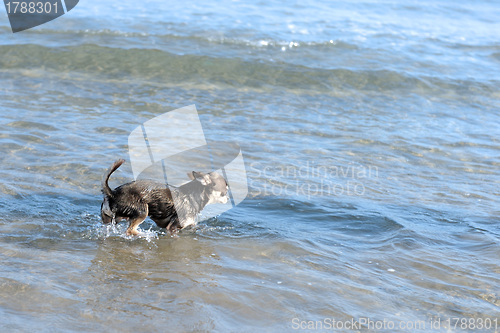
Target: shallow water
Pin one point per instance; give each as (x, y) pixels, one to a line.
(370, 132)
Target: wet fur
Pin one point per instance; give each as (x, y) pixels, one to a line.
(137, 200)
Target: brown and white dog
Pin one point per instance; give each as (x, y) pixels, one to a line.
(170, 208)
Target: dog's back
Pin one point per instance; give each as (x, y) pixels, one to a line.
(134, 195)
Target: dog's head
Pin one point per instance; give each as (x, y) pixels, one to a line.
(106, 213)
(215, 183)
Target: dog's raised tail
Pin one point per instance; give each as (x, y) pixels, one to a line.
(105, 187)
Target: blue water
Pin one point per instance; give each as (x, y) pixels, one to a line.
(370, 132)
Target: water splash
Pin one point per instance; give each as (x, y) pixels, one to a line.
(100, 231)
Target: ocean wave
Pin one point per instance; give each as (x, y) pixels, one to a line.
(161, 66)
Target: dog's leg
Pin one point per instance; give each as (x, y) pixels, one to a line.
(170, 223)
(132, 228)
(134, 223)
(172, 227)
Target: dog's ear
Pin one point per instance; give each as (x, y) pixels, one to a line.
(203, 178)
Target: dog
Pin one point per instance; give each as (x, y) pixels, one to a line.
(170, 208)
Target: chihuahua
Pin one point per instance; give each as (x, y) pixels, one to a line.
(169, 207)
